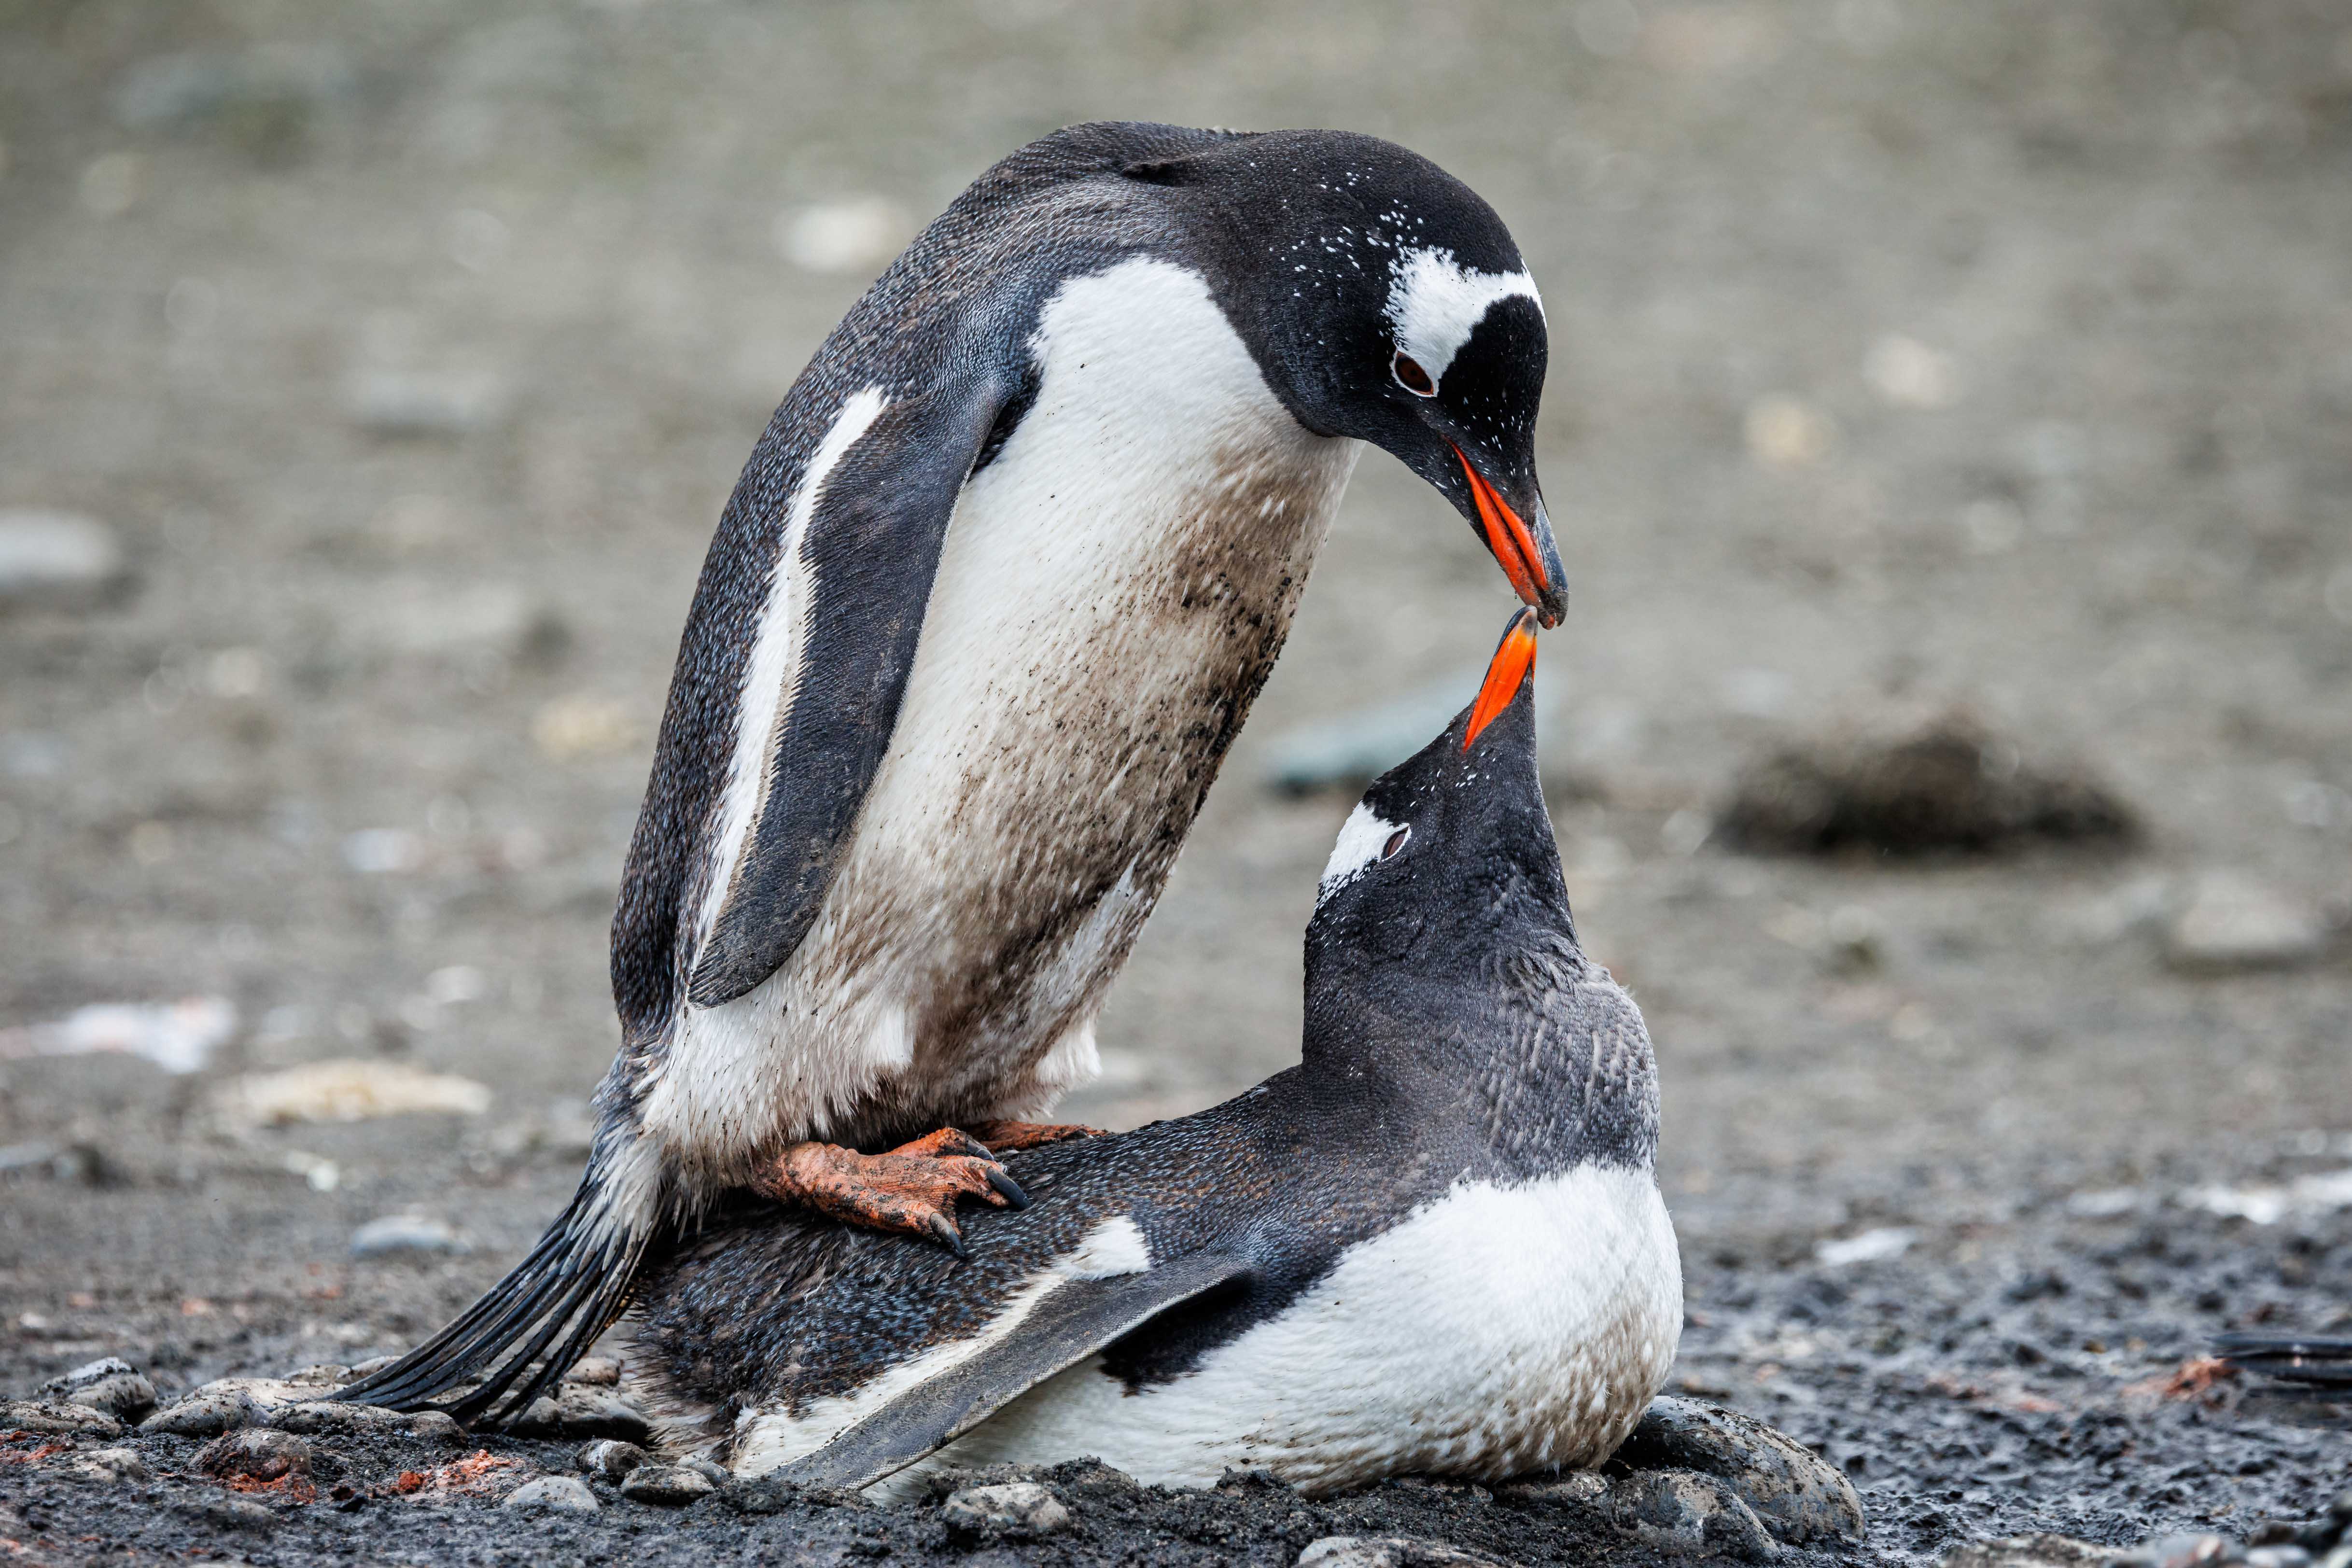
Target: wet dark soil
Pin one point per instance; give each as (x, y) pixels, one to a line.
(2051, 1381)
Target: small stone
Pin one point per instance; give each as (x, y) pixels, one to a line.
(320, 1375)
(1684, 1511)
(335, 1418)
(449, 402)
(584, 1410)
(2232, 924)
(609, 1458)
(107, 1465)
(257, 1453)
(1390, 1551)
(667, 1486)
(110, 1384)
(2283, 1557)
(599, 1371)
(1015, 1508)
(56, 559)
(437, 1425)
(57, 1418)
(2192, 1551)
(554, 1494)
(372, 1366)
(206, 1415)
(229, 1512)
(411, 1234)
(710, 1470)
(1801, 1497)
(1578, 1489)
(2028, 1551)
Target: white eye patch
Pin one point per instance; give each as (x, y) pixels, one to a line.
(1435, 304)
(1361, 838)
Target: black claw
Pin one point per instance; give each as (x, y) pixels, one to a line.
(1007, 1188)
(943, 1231)
(972, 1147)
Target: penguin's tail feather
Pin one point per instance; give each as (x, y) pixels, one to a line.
(571, 1288)
(2299, 1358)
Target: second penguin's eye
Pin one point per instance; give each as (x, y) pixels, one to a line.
(1395, 843)
(1410, 377)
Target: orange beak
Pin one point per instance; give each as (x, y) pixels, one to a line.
(1505, 673)
(1508, 537)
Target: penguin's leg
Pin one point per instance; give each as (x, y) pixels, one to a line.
(912, 1189)
(1005, 1137)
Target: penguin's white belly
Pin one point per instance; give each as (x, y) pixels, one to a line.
(1112, 590)
(1498, 1330)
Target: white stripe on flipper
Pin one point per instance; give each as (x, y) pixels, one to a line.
(1434, 304)
(773, 673)
(1494, 1330)
(766, 1439)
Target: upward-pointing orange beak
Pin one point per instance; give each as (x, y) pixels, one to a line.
(1505, 673)
(1513, 542)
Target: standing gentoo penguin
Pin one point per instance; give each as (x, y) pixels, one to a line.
(1435, 1245)
(989, 601)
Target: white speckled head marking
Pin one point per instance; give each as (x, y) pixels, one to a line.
(1361, 838)
(1435, 303)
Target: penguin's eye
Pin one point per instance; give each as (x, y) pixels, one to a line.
(1410, 377)
(1395, 843)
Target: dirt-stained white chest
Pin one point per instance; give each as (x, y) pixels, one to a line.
(1112, 590)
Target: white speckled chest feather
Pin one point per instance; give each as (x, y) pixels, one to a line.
(1113, 588)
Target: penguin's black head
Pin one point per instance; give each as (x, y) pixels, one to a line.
(1384, 301)
(1447, 872)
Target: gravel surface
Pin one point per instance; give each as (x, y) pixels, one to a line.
(387, 364)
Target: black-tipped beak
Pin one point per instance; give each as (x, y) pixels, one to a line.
(1528, 554)
(1507, 675)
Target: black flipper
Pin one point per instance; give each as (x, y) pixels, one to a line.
(2298, 1358)
(1069, 1325)
(872, 547)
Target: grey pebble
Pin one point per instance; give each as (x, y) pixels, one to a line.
(2278, 1557)
(257, 1453)
(110, 1384)
(1013, 1507)
(2231, 923)
(57, 1418)
(1684, 1511)
(387, 402)
(396, 1234)
(56, 559)
(609, 1458)
(554, 1494)
(584, 1410)
(667, 1486)
(1800, 1498)
(1388, 1552)
(2028, 1551)
(229, 1511)
(107, 1465)
(2193, 1551)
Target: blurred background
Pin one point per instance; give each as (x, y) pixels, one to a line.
(1949, 423)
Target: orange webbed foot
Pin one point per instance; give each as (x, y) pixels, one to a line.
(911, 1190)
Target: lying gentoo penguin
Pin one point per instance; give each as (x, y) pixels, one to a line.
(1436, 1245)
(990, 600)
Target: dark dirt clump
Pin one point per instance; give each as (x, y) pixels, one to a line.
(1947, 784)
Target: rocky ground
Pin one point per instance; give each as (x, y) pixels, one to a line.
(1935, 389)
